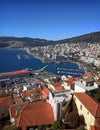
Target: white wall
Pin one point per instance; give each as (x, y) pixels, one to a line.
(79, 89)
(82, 110)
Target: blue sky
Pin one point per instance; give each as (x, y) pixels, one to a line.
(49, 19)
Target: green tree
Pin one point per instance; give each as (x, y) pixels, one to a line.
(70, 107)
(81, 128)
(81, 120)
(12, 127)
(72, 119)
(41, 127)
(58, 125)
(97, 95)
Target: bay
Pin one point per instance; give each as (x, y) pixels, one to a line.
(12, 60)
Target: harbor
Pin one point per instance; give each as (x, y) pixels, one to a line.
(71, 72)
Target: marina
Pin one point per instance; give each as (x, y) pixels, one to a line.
(13, 60)
(70, 73)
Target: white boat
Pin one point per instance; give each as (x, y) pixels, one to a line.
(18, 56)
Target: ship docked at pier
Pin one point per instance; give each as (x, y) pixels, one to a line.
(14, 73)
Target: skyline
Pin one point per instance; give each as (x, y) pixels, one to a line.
(49, 19)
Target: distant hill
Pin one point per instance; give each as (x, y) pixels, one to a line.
(91, 37)
(20, 42)
(15, 42)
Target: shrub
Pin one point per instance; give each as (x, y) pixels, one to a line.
(81, 128)
(58, 125)
(72, 119)
(82, 120)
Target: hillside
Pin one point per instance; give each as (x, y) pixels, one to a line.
(14, 42)
(91, 37)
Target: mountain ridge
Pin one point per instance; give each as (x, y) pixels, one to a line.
(95, 36)
(16, 42)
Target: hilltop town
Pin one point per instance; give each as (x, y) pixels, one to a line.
(39, 100)
(88, 53)
(85, 48)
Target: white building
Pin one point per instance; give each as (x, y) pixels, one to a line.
(89, 108)
(58, 100)
(97, 62)
(25, 87)
(85, 84)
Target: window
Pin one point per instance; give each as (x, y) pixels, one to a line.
(81, 107)
(87, 112)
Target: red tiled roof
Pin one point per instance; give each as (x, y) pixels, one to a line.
(95, 127)
(45, 91)
(57, 86)
(75, 79)
(26, 93)
(89, 103)
(5, 101)
(36, 113)
(2, 100)
(89, 74)
(71, 81)
(15, 109)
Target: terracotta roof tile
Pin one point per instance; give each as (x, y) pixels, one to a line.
(89, 74)
(2, 100)
(46, 90)
(95, 127)
(5, 101)
(36, 113)
(89, 103)
(71, 81)
(26, 93)
(57, 86)
(15, 109)
(44, 93)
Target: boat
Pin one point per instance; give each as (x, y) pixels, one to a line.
(18, 72)
(18, 56)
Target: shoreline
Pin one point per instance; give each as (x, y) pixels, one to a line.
(76, 61)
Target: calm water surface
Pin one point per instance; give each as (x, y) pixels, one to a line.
(9, 61)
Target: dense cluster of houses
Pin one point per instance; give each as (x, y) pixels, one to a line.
(42, 104)
(86, 52)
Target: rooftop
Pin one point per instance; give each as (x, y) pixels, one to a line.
(89, 103)
(88, 88)
(62, 95)
(36, 113)
(89, 73)
(5, 101)
(57, 86)
(95, 127)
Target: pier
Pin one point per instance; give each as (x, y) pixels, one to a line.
(72, 72)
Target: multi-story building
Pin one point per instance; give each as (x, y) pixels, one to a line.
(89, 108)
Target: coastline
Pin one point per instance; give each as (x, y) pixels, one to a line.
(10, 62)
(82, 65)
